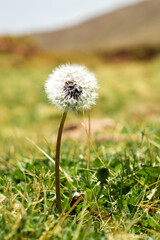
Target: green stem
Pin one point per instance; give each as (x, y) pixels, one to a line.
(58, 146)
(89, 134)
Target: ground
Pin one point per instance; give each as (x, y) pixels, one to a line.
(126, 204)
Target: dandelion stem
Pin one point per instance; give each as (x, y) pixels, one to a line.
(58, 146)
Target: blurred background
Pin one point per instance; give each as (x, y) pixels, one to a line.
(119, 40)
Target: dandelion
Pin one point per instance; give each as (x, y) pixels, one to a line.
(70, 87)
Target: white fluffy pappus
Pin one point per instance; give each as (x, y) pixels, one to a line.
(71, 87)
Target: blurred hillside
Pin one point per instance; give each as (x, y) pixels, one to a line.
(130, 33)
(129, 27)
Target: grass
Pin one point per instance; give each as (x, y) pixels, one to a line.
(127, 207)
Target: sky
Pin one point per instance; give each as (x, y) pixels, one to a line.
(29, 16)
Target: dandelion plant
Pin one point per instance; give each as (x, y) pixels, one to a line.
(70, 87)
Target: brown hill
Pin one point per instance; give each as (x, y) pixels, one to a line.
(131, 26)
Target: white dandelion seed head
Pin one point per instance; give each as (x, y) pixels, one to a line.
(71, 87)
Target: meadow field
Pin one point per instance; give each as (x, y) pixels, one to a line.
(124, 206)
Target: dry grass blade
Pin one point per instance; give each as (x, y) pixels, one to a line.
(54, 154)
(46, 155)
(62, 217)
(154, 143)
(89, 139)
